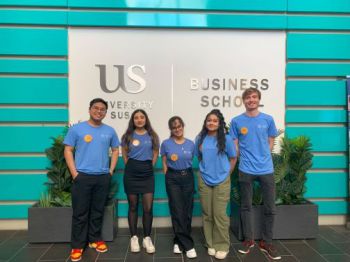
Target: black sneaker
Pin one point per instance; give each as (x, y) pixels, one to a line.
(246, 246)
(270, 250)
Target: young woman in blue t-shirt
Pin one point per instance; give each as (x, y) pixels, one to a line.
(177, 154)
(140, 146)
(217, 157)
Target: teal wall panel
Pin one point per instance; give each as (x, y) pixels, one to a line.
(327, 185)
(14, 211)
(316, 116)
(27, 139)
(325, 6)
(315, 93)
(337, 137)
(298, 22)
(194, 20)
(19, 183)
(51, 3)
(332, 207)
(205, 5)
(33, 66)
(23, 163)
(329, 162)
(318, 69)
(318, 46)
(33, 90)
(25, 41)
(33, 17)
(33, 115)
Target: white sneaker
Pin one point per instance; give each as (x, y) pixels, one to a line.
(134, 244)
(221, 254)
(211, 251)
(148, 245)
(176, 249)
(191, 253)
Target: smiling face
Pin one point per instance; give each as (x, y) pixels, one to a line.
(251, 101)
(212, 123)
(97, 112)
(139, 120)
(177, 129)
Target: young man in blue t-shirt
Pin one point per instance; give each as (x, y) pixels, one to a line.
(86, 152)
(254, 133)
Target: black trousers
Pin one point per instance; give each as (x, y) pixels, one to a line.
(180, 189)
(89, 197)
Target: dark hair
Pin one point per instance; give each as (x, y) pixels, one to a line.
(126, 138)
(98, 100)
(172, 120)
(221, 133)
(249, 91)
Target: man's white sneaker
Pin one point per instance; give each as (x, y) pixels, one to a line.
(191, 253)
(221, 254)
(176, 249)
(148, 245)
(211, 251)
(134, 244)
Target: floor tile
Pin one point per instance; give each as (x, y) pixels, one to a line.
(28, 254)
(323, 246)
(303, 252)
(117, 249)
(332, 235)
(57, 252)
(338, 258)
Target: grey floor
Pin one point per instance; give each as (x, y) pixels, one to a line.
(332, 244)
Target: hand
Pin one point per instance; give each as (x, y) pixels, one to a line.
(75, 176)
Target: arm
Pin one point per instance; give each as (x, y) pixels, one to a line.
(237, 147)
(165, 167)
(271, 142)
(114, 160)
(125, 154)
(233, 162)
(68, 155)
(155, 157)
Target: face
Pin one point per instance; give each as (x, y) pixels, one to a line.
(97, 112)
(177, 129)
(139, 120)
(212, 123)
(251, 102)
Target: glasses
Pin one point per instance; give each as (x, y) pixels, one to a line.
(176, 127)
(99, 109)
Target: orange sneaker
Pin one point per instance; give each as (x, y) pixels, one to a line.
(100, 246)
(75, 254)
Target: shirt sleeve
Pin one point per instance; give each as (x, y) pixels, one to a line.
(230, 147)
(71, 137)
(272, 131)
(233, 130)
(115, 140)
(162, 149)
(196, 151)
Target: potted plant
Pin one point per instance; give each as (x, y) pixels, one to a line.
(50, 219)
(296, 218)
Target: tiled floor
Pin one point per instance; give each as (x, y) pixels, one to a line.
(332, 244)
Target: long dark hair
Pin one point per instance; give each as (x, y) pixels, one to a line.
(126, 138)
(221, 133)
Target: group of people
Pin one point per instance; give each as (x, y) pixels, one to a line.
(250, 139)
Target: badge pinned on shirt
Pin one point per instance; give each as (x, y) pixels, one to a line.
(174, 157)
(244, 130)
(136, 142)
(87, 138)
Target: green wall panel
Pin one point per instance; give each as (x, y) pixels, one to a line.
(33, 66)
(33, 115)
(332, 207)
(25, 41)
(14, 211)
(329, 162)
(23, 163)
(315, 93)
(51, 3)
(27, 139)
(316, 116)
(296, 22)
(318, 46)
(194, 20)
(37, 17)
(33, 90)
(318, 69)
(30, 187)
(205, 5)
(327, 185)
(337, 137)
(325, 6)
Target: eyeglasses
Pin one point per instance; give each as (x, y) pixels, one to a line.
(99, 109)
(176, 127)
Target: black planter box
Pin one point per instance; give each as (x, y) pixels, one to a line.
(53, 224)
(291, 221)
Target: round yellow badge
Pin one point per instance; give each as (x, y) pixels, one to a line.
(174, 157)
(87, 138)
(136, 142)
(244, 130)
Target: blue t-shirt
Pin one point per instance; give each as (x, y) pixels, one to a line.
(178, 156)
(214, 168)
(140, 147)
(91, 147)
(253, 139)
